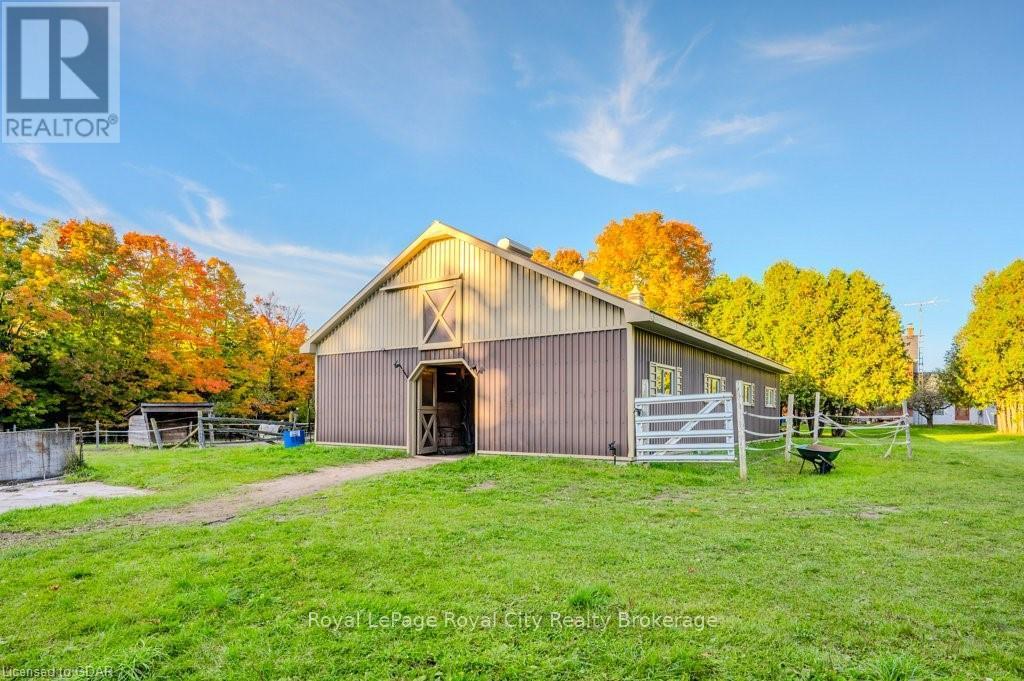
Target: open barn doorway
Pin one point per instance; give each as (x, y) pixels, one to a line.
(444, 400)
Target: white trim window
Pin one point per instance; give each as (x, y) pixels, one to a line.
(748, 394)
(714, 384)
(664, 379)
(771, 397)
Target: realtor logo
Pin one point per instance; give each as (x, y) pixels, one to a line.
(61, 72)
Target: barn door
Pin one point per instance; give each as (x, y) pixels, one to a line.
(426, 413)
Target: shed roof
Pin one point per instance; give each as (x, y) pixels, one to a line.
(638, 315)
(156, 407)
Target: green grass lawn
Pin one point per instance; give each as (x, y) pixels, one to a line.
(885, 569)
(178, 476)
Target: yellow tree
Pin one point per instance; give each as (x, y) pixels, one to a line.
(873, 368)
(839, 333)
(669, 261)
(566, 260)
(197, 311)
(94, 336)
(991, 346)
(276, 378)
(16, 347)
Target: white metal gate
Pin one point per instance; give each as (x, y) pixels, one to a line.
(686, 428)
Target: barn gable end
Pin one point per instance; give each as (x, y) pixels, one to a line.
(498, 299)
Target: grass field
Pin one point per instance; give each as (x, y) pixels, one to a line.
(179, 476)
(885, 569)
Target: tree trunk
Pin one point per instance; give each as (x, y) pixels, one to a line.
(928, 418)
(1010, 413)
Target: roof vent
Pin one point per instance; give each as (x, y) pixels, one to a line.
(636, 296)
(585, 278)
(507, 244)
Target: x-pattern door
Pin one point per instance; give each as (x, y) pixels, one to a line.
(441, 311)
(426, 413)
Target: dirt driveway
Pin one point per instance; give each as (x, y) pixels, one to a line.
(260, 494)
(245, 498)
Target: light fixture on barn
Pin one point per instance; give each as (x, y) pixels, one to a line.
(398, 365)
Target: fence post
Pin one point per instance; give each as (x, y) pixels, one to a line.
(817, 417)
(906, 424)
(97, 434)
(789, 426)
(741, 432)
(156, 433)
(202, 432)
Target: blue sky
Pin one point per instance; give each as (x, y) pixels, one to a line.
(306, 143)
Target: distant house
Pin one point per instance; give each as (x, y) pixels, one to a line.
(955, 415)
(463, 345)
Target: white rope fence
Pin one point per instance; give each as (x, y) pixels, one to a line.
(859, 430)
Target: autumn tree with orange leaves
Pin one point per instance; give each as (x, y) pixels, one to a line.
(278, 379)
(91, 324)
(198, 316)
(566, 260)
(667, 260)
(93, 337)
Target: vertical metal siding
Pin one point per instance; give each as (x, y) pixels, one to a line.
(500, 299)
(696, 362)
(361, 397)
(560, 394)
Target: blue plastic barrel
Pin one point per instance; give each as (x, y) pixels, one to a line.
(294, 438)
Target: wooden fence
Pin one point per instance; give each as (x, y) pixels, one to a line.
(203, 431)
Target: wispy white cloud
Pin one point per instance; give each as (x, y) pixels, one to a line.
(410, 71)
(620, 136)
(207, 226)
(35, 208)
(79, 202)
(831, 45)
(296, 288)
(523, 69)
(740, 127)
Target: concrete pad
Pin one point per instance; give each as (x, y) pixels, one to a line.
(50, 492)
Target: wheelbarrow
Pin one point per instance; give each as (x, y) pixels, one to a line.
(820, 456)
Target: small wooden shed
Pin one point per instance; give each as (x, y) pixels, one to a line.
(175, 421)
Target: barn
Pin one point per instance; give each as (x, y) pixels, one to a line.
(461, 345)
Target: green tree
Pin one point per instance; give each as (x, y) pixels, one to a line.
(873, 367)
(839, 333)
(991, 346)
(929, 397)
